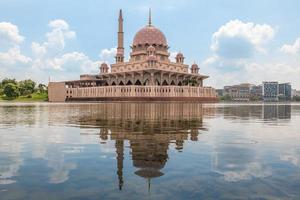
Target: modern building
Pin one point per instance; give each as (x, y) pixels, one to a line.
(270, 91)
(256, 92)
(285, 92)
(220, 92)
(148, 75)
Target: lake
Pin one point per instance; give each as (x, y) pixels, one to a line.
(149, 151)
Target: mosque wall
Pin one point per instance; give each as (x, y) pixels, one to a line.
(135, 92)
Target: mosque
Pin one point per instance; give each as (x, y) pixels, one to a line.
(148, 75)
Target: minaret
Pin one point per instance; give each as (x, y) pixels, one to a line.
(120, 157)
(120, 49)
(150, 20)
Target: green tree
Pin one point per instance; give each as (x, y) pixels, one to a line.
(225, 98)
(27, 87)
(42, 88)
(296, 98)
(11, 90)
(191, 82)
(7, 80)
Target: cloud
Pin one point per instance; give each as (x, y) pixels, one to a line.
(239, 55)
(38, 49)
(9, 35)
(291, 156)
(70, 61)
(12, 57)
(252, 170)
(108, 55)
(10, 50)
(291, 49)
(56, 39)
(173, 56)
(237, 39)
(50, 58)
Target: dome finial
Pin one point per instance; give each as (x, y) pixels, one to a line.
(150, 17)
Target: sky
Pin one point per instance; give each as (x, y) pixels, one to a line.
(232, 41)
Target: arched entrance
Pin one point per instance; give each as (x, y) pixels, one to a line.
(165, 83)
(129, 83)
(138, 82)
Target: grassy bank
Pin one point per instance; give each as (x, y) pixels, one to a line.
(35, 97)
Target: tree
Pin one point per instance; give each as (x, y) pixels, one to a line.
(296, 98)
(42, 88)
(189, 81)
(7, 80)
(11, 90)
(27, 87)
(227, 97)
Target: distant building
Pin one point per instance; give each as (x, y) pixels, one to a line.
(256, 92)
(285, 92)
(270, 91)
(220, 92)
(238, 92)
(295, 93)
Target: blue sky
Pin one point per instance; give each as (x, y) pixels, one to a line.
(232, 41)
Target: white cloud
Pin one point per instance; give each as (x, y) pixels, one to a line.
(108, 54)
(237, 39)
(9, 35)
(239, 55)
(293, 48)
(56, 39)
(38, 50)
(173, 56)
(49, 57)
(252, 170)
(10, 41)
(13, 56)
(70, 61)
(291, 156)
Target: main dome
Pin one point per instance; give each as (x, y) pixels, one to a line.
(149, 35)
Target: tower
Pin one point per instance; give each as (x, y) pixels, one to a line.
(120, 49)
(149, 19)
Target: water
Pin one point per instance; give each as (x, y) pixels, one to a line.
(149, 151)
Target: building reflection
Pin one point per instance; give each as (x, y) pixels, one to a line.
(260, 111)
(150, 129)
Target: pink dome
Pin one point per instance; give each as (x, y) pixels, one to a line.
(149, 35)
(194, 66)
(104, 65)
(179, 55)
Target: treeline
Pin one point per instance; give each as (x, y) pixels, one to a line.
(12, 89)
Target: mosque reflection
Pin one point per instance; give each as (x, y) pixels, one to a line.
(150, 130)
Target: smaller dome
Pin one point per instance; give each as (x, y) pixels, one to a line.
(104, 66)
(152, 57)
(194, 66)
(151, 48)
(179, 55)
